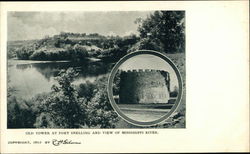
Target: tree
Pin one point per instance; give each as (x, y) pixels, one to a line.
(63, 108)
(10, 89)
(79, 52)
(25, 52)
(19, 113)
(100, 111)
(167, 28)
(174, 93)
(86, 90)
(116, 83)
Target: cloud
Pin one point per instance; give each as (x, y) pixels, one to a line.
(127, 33)
(35, 25)
(111, 33)
(19, 30)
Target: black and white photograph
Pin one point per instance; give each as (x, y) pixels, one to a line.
(124, 76)
(146, 87)
(59, 63)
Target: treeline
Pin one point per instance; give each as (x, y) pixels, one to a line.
(162, 31)
(62, 48)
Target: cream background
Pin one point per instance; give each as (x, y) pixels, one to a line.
(217, 74)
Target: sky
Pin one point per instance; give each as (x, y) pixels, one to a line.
(147, 61)
(36, 25)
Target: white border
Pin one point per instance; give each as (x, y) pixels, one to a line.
(217, 74)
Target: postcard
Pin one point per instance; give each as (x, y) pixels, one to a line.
(118, 77)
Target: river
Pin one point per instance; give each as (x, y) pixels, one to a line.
(33, 77)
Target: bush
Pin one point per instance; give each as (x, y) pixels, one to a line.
(116, 83)
(66, 107)
(86, 90)
(174, 93)
(50, 54)
(63, 108)
(19, 113)
(74, 53)
(100, 111)
(11, 52)
(24, 52)
(78, 53)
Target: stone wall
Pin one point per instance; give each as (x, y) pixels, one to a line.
(144, 86)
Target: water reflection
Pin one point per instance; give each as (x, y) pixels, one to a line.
(51, 69)
(30, 78)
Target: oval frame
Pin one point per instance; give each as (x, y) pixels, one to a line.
(111, 80)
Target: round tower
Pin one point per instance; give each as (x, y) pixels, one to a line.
(144, 86)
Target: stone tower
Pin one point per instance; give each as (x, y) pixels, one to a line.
(144, 86)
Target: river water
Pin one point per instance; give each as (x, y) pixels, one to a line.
(33, 77)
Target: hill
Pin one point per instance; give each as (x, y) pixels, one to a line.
(72, 46)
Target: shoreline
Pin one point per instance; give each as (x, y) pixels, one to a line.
(49, 61)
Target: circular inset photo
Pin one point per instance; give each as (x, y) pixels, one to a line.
(145, 87)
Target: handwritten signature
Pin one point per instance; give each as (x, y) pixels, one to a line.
(56, 142)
